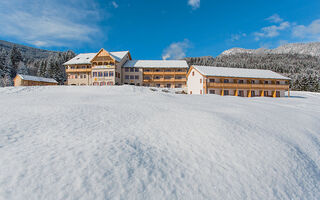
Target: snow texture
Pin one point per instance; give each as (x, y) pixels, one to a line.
(127, 142)
(238, 72)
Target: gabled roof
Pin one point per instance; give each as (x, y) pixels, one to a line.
(85, 58)
(37, 78)
(238, 72)
(156, 63)
(82, 58)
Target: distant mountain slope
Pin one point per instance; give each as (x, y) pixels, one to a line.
(20, 59)
(312, 49)
(27, 52)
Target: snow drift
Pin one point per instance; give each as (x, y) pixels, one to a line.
(130, 142)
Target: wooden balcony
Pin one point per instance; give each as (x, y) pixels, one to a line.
(248, 86)
(164, 80)
(163, 73)
(78, 70)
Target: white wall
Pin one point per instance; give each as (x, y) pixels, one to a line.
(193, 82)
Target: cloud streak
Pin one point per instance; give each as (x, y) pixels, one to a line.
(46, 24)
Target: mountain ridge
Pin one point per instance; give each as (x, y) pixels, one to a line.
(312, 48)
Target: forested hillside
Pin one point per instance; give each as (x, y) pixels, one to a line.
(20, 59)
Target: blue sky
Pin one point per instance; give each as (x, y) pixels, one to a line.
(152, 29)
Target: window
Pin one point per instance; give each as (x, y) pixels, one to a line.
(110, 73)
(84, 76)
(80, 75)
(105, 74)
(226, 92)
(168, 85)
(252, 81)
(200, 91)
(147, 70)
(212, 91)
(167, 77)
(95, 83)
(190, 92)
(179, 86)
(136, 69)
(241, 93)
(240, 81)
(277, 93)
(226, 80)
(94, 74)
(127, 77)
(168, 70)
(126, 69)
(118, 75)
(100, 74)
(131, 77)
(192, 73)
(157, 85)
(102, 83)
(266, 82)
(179, 70)
(200, 80)
(131, 69)
(253, 94)
(157, 70)
(136, 77)
(147, 77)
(211, 80)
(278, 82)
(265, 93)
(76, 76)
(157, 77)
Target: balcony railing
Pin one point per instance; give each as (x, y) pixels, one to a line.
(165, 80)
(247, 86)
(79, 70)
(164, 73)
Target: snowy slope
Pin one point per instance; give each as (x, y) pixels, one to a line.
(132, 143)
(312, 48)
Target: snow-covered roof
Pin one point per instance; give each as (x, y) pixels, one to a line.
(156, 63)
(85, 58)
(118, 55)
(82, 58)
(238, 72)
(37, 78)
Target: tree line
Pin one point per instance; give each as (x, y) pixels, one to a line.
(12, 62)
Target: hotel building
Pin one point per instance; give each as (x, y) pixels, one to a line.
(117, 68)
(236, 81)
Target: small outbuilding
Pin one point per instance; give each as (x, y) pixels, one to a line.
(26, 80)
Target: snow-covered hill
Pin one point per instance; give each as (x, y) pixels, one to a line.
(130, 142)
(312, 49)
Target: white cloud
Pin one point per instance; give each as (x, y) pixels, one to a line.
(114, 4)
(48, 23)
(311, 31)
(195, 4)
(235, 37)
(176, 50)
(275, 18)
(271, 31)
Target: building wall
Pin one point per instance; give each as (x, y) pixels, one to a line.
(17, 81)
(195, 82)
(129, 76)
(105, 79)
